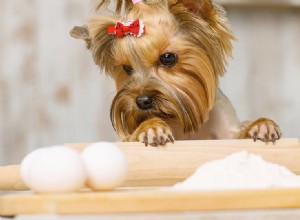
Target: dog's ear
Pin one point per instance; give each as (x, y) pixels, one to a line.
(203, 8)
(81, 32)
(97, 39)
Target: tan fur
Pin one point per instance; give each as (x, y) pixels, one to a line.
(186, 96)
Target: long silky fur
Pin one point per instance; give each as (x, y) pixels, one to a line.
(184, 93)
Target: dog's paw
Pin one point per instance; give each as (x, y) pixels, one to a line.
(264, 129)
(153, 132)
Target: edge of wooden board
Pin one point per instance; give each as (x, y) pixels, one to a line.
(147, 201)
(244, 143)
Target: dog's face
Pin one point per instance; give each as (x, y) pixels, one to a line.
(171, 71)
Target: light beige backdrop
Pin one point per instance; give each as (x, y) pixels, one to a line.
(52, 93)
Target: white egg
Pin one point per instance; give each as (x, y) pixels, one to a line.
(26, 163)
(53, 170)
(106, 166)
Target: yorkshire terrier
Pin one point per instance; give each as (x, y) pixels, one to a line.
(166, 57)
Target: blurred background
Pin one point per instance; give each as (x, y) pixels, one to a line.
(52, 93)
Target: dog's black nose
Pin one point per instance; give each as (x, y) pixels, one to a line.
(144, 102)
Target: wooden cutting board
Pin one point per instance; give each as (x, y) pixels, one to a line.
(147, 200)
(161, 166)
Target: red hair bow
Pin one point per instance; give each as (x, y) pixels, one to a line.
(135, 28)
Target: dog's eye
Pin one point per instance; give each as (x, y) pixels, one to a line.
(127, 69)
(168, 59)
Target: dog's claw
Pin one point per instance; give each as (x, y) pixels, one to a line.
(155, 137)
(273, 138)
(265, 130)
(162, 140)
(255, 136)
(171, 138)
(153, 134)
(145, 141)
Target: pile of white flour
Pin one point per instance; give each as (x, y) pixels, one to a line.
(241, 170)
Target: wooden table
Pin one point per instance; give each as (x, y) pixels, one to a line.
(154, 203)
(166, 166)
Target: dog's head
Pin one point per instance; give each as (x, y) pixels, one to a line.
(171, 71)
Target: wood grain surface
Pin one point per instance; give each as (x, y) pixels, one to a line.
(147, 200)
(165, 166)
